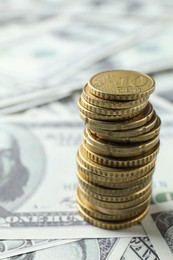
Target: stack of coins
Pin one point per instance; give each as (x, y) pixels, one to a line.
(116, 159)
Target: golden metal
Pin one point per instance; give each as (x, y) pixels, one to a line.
(99, 102)
(119, 198)
(116, 160)
(104, 191)
(113, 174)
(114, 149)
(111, 136)
(112, 225)
(112, 112)
(105, 134)
(137, 121)
(116, 114)
(122, 162)
(112, 184)
(121, 85)
(91, 211)
(113, 205)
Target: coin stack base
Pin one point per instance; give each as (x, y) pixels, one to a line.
(117, 157)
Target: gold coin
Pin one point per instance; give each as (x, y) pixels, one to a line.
(109, 183)
(111, 112)
(111, 224)
(91, 211)
(121, 85)
(121, 114)
(120, 162)
(111, 135)
(99, 102)
(134, 139)
(117, 150)
(139, 120)
(113, 205)
(103, 191)
(113, 174)
(108, 198)
(120, 212)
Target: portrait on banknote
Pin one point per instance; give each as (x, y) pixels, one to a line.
(20, 165)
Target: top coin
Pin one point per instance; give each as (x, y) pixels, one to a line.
(121, 85)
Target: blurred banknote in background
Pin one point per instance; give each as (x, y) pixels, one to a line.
(48, 50)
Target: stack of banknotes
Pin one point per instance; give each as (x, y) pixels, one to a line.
(48, 51)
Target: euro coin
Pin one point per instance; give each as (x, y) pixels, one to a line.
(137, 121)
(99, 102)
(104, 191)
(111, 173)
(108, 198)
(91, 211)
(112, 112)
(118, 150)
(122, 114)
(134, 139)
(111, 225)
(121, 85)
(113, 204)
(122, 162)
(111, 183)
(107, 134)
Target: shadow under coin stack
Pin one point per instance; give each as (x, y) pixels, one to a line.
(116, 159)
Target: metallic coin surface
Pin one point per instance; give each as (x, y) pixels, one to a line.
(112, 112)
(121, 85)
(120, 198)
(104, 191)
(91, 211)
(111, 183)
(114, 205)
(99, 102)
(150, 134)
(113, 174)
(109, 134)
(120, 212)
(111, 224)
(116, 160)
(128, 113)
(122, 162)
(137, 121)
(117, 150)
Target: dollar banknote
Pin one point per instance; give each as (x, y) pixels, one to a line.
(84, 249)
(104, 248)
(139, 249)
(41, 59)
(159, 227)
(37, 190)
(12, 248)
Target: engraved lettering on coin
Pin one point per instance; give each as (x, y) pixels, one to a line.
(116, 84)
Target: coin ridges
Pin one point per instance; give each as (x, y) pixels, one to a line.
(122, 163)
(99, 102)
(121, 85)
(116, 160)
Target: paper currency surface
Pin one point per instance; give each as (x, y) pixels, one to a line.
(39, 181)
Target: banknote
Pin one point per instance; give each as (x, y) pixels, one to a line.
(38, 64)
(18, 247)
(20, 11)
(139, 248)
(37, 190)
(32, 67)
(158, 226)
(84, 249)
(107, 248)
